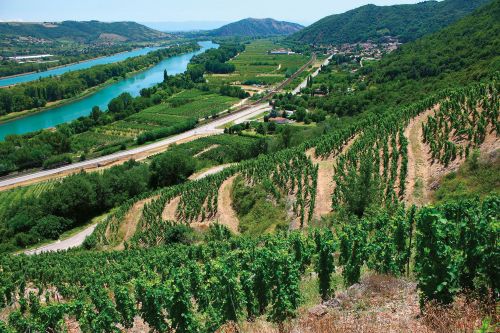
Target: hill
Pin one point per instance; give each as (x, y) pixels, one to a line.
(257, 28)
(465, 51)
(82, 32)
(460, 53)
(408, 22)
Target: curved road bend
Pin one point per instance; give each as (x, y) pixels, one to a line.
(207, 129)
(78, 239)
(210, 128)
(71, 242)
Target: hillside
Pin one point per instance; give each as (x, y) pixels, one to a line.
(408, 22)
(329, 233)
(82, 32)
(463, 52)
(257, 28)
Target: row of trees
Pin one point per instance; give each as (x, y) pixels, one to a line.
(215, 60)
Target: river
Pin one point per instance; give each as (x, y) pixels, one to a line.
(82, 107)
(74, 67)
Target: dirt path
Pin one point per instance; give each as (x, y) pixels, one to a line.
(326, 185)
(170, 210)
(419, 161)
(226, 214)
(206, 150)
(129, 224)
(211, 171)
(424, 175)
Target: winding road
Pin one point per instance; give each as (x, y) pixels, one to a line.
(212, 128)
(66, 244)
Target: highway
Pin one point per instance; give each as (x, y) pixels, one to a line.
(210, 128)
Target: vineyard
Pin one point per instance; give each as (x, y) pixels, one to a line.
(370, 170)
(198, 288)
(256, 66)
(10, 197)
(182, 110)
(165, 281)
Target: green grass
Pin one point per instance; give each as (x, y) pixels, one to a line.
(473, 179)
(258, 214)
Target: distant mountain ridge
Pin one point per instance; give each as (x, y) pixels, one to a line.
(82, 31)
(257, 28)
(409, 22)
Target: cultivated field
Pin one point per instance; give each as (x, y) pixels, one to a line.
(181, 109)
(256, 66)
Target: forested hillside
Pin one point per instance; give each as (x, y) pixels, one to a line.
(256, 28)
(82, 32)
(408, 22)
(464, 51)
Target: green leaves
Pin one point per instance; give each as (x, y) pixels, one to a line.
(457, 249)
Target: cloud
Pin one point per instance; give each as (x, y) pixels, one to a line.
(11, 20)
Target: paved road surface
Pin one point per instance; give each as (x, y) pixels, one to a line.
(304, 83)
(66, 244)
(208, 129)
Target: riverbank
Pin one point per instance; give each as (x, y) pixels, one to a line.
(62, 66)
(84, 94)
(75, 63)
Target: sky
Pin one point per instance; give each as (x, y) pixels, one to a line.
(194, 12)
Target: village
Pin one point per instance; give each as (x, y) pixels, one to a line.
(369, 50)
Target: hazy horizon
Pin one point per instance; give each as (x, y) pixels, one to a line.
(189, 13)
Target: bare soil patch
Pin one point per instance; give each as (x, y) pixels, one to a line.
(226, 215)
(377, 304)
(326, 185)
(419, 161)
(129, 224)
(169, 212)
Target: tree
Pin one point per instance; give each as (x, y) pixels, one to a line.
(286, 136)
(260, 129)
(171, 168)
(300, 114)
(96, 113)
(325, 265)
